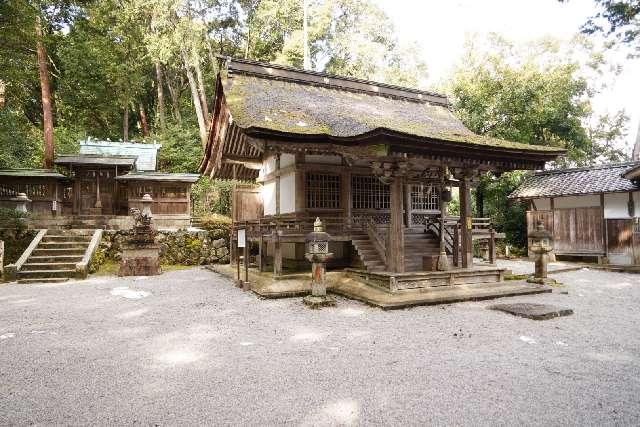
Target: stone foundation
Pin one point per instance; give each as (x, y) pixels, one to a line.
(140, 260)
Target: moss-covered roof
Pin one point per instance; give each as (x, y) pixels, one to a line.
(159, 176)
(295, 107)
(31, 173)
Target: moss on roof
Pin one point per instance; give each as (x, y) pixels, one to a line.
(31, 173)
(300, 108)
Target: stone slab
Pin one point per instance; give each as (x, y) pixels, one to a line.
(319, 301)
(532, 311)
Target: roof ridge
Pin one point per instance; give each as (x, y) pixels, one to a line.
(587, 168)
(311, 77)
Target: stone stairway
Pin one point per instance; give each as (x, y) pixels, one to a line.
(55, 257)
(367, 252)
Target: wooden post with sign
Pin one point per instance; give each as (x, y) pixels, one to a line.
(242, 243)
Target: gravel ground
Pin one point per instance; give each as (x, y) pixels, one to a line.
(189, 348)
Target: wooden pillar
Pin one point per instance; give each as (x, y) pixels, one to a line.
(98, 204)
(395, 240)
(465, 222)
(300, 202)
(277, 256)
(277, 247)
(260, 253)
(492, 246)
(345, 196)
(605, 231)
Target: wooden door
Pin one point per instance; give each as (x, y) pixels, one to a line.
(578, 231)
(247, 203)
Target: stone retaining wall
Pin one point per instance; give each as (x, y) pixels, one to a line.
(176, 247)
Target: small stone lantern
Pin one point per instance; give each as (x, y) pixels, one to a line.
(21, 202)
(146, 205)
(541, 245)
(317, 251)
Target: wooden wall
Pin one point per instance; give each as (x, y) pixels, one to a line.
(575, 230)
(247, 203)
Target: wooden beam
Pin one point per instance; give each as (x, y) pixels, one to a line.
(300, 193)
(605, 237)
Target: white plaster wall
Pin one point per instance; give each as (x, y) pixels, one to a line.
(616, 205)
(288, 193)
(576, 201)
(268, 192)
(542, 204)
(319, 158)
(268, 165)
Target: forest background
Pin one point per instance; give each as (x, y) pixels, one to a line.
(144, 70)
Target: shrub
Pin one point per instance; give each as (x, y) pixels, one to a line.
(218, 225)
(211, 197)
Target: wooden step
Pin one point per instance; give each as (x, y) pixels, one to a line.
(46, 274)
(57, 251)
(55, 258)
(39, 266)
(44, 280)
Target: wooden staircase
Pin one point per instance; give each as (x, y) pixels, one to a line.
(55, 257)
(367, 252)
(418, 243)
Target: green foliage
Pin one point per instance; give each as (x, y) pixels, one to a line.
(219, 226)
(538, 94)
(211, 197)
(181, 150)
(618, 20)
(14, 233)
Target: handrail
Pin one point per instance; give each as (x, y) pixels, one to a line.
(378, 243)
(82, 267)
(11, 270)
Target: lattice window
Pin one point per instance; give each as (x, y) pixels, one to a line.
(140, 190)
(367, 192)
(425, 198)
(322, 191)
(37, 190)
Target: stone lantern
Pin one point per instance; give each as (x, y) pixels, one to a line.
(541, 245)
(317, 251)
(21, 200)
(146, 205)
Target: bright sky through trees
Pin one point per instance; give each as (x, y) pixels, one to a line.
(442, 27)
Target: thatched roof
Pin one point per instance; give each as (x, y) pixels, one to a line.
(579, 181)
(280, 99)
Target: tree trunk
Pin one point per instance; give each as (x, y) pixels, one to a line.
(160, 88)
(125, 124)
(45, 89)
(196, 100)
(143, 121)
(479, 201)
(201, 91)
(175, 101)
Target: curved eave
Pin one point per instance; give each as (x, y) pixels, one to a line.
(414, 142)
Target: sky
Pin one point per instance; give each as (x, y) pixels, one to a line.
(441, 27)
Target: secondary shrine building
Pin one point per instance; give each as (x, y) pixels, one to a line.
(98, 186)
(375, 162)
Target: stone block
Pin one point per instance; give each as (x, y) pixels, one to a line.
(532, 311)
(140, 260)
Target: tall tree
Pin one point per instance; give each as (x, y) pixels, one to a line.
(618, 20)
(45, 89)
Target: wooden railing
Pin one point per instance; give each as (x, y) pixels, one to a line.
(378, 240)
(481, 229)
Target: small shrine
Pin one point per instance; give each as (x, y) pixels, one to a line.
(98, 187)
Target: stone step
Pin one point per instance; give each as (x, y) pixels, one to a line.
(65, 238)
(44, 280)
(55, 251)
(55, 258)
(39, 266)
(61, 245)
(46, 274)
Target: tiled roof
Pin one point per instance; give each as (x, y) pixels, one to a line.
(588, 180)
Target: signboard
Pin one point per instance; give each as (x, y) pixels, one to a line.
(242, 240)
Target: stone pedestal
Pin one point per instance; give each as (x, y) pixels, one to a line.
(140, 260)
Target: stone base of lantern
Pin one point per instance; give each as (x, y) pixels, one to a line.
(542, 280)
(313, 301)
(140, 260)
